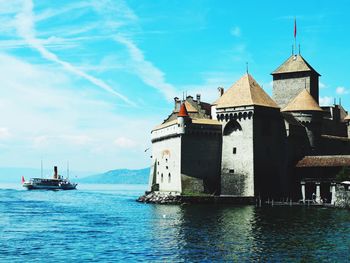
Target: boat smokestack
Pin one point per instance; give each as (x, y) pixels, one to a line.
(55, 172)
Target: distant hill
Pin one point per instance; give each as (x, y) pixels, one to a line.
(120, 176)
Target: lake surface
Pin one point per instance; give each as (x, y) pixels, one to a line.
(104, 223)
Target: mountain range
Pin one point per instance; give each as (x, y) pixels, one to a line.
(118, 176)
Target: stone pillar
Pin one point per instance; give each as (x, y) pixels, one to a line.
(302, 183)
(318, 192)
(334, 197)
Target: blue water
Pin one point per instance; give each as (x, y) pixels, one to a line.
(103, 223)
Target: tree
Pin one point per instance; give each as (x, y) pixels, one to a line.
(343, 174)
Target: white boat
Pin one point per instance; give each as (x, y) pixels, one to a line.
(55, 183)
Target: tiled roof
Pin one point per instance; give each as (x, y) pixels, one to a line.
(245, 92)
(303, 102)
(295, 63)
(324, 161)
(183, 111)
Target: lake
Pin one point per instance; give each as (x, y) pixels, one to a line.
(104, 223)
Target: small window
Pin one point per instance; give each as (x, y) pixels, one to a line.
(231, 171)
(166, 160)
(158, 162)
(234, 151)
(169, 178)
(166, 167)
(161, 178)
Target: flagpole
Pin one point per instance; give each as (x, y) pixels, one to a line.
(295, 34)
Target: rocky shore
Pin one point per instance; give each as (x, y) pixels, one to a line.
(160, 198)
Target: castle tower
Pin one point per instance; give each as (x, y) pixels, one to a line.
(289, 79)
(183, 119)
(251, 124)
(307, 111)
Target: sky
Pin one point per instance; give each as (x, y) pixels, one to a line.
(85, 81)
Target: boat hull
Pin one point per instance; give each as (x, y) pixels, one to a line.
(30, 186)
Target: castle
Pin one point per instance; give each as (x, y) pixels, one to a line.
(247, 144)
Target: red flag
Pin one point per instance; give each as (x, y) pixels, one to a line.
(295, 27)
(23, 180)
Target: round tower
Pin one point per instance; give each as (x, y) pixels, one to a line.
(183, 119)
(307, 111)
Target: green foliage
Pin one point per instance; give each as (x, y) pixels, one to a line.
(343, 175)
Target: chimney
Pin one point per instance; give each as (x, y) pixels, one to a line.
(221, 91)
(55, 173)
(198, 97)
(176, 104)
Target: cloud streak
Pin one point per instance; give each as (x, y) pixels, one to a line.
(145, 70)
(25, 28)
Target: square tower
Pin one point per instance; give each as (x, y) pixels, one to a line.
(289, 79)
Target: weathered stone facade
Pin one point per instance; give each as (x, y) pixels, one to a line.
(247, 144)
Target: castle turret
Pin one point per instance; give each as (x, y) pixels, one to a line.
(183, 119)
(307, 111)
(289, 79)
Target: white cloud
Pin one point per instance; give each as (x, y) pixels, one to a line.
(341, 90)
(322, 85)
(145, 70)
(124, 142)
(326, 101)
(235, 31)
(26, 29)
(4, 133)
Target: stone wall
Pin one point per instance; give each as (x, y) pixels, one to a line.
(237, 169)
(288, 85)
(270, 153)
(166, 159)
(201, 157)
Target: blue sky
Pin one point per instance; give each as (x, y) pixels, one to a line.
(85, 81)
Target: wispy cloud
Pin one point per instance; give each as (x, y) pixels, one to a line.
(25, 28)
(4, 133)
(236, 31)
(145, 70)
(341, 90)
(326, 101)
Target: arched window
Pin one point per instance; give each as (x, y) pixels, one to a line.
(232, 126)
(161, 178)
(169, 178)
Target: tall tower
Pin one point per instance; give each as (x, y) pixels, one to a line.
(289, 79)
(252, 129)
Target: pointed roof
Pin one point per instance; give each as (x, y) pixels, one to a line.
(295, 63)
(303, 102)
(183, 111)
(245, 92)
(190, 107)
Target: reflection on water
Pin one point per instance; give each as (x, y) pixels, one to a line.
(105, 224)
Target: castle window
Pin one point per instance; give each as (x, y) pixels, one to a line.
(158, 162)
(166, 167)
(161, 178)
(231, 171)
(166, 160)
(169, 178)
(234, 151)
